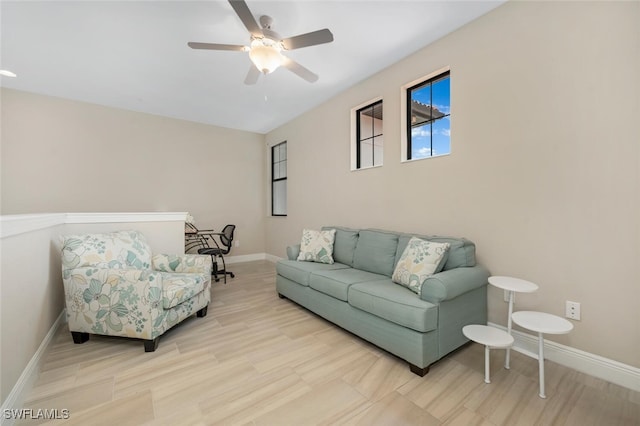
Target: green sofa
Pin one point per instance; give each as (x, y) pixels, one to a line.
(357, 293)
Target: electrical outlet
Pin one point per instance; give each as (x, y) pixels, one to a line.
(572, 310)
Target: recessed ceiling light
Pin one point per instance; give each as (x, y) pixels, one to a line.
(7, 73)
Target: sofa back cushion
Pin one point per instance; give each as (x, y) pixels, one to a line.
(344, 244)
(461, 253)
(376, 251)
(115, 250)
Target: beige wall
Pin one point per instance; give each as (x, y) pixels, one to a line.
(544, 172)
(31, 299)
(64, 156)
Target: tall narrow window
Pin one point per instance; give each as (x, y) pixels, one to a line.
(279, 179)
(367, 136)
(428, 111)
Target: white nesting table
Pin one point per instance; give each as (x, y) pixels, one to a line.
(490, 337)
(512, 285)
(541, 323)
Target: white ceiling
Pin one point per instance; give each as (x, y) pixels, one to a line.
(134, 55)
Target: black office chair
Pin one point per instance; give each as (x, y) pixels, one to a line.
(226, 241)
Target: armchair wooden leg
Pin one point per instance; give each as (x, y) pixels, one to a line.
(420, 371)
(79, 337)
(202, 312)
(151, 345)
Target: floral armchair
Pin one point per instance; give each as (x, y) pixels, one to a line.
(114, 286)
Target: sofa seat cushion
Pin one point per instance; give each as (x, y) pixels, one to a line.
(299, 271)
(394, 303)
(178, 288)
(336, 283)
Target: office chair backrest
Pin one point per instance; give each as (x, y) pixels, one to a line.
(226, 237)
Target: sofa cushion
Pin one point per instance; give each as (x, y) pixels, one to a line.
(345, 244)
(336, 283)
(394, 303)
(420, 260)
(461, 253)
(376, 252)
(317, 246)
(299, 271)
(177, 288)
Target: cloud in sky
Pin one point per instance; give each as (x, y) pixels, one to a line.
(422, 152)
(445, 109)
(422, 131)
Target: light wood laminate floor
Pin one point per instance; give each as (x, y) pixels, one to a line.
(257, 359)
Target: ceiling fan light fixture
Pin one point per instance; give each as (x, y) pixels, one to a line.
(265, 55)
(7, 73)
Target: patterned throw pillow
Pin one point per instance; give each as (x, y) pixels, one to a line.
(418, 261)
(317, 246)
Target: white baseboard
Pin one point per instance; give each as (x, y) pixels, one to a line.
(244, 258)
(273, 259)
(585, 362)
(29, 375)
(250, 258)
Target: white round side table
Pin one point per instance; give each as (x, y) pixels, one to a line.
(541, 323)
(512, 285)
(490, 337)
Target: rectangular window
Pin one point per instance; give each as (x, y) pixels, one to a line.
(279, 179)
(427, 114)
(367, 135)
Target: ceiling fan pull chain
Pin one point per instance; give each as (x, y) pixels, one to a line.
(264, 87)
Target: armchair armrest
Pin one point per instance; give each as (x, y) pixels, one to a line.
(293, 251)
(449, 284)
(116, 302)
(185, 263)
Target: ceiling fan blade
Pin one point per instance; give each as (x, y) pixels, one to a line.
(298, 69)
(215, 46)
(245, 15)
(308, 39)
(252, 75)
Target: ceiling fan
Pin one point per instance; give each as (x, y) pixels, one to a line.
(266, 45)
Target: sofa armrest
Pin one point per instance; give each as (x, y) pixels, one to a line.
(184, 263)
(116, 302)
(293, 252)
(452, 283)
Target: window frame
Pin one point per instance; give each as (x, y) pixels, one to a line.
(274, 180)
(405, 114)
(355, 133)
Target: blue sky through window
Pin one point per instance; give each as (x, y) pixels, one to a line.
(433, 137)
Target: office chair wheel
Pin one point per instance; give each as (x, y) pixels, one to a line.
(232, 274)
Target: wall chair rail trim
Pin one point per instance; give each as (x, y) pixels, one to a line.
(11, 225)
(17, 224)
